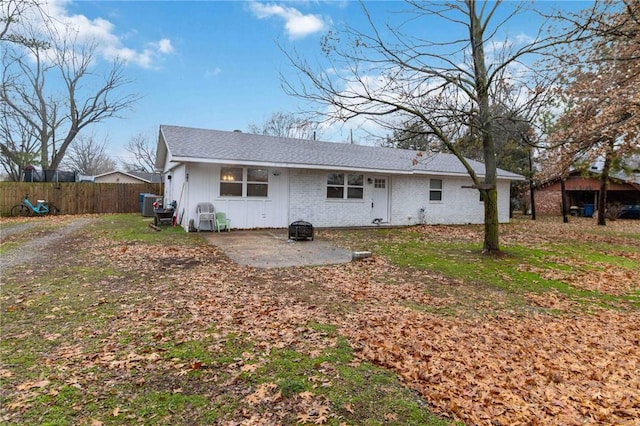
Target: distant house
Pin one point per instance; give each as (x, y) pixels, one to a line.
(148, 177)
(268, 182)
(127, 177)
(582, 192)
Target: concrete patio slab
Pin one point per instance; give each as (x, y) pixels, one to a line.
(273, 249)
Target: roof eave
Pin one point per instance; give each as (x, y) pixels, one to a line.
(328, 167)
(286, 165)
(162, 151)
(114, 172)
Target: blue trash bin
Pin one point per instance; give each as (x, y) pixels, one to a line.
(142, 194)
(144, 208)
(588, 210)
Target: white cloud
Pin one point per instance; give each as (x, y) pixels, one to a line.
(297, 24)
(511, 42)
(100, 31)
(164, 46)
(212, 72)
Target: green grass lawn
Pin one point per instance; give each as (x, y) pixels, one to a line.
(524, 265)
(121, 324)
(67, 359)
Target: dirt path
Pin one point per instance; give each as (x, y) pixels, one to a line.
(40, 244)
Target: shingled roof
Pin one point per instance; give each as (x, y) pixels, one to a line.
(185, 144)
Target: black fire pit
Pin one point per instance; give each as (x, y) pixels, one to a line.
(300, 230)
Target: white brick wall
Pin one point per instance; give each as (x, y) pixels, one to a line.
(301, 195)
(407, 195)
(458, 206)
(308, 202)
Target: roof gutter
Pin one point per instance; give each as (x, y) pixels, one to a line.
(407, 172)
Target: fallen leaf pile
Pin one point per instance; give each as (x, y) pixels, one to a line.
(527, 367)
(594, 276)
(506, 370)
(585, 275)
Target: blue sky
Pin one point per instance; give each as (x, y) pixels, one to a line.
(220, 66)
(217, 64)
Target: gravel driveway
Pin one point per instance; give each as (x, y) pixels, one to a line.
(260, 249)
(37, 247)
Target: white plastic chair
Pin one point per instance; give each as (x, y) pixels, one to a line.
(206, 215)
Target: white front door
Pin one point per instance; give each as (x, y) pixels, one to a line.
(380, 199)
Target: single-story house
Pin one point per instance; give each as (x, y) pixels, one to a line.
(269, 182)
(148, 177)
(117, 176)
(582, 192)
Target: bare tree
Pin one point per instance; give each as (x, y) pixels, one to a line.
(287, 125)
(602, 92)
(11, 13)
(20, 146)
(88, 156)
(412, 135)
(31, 76)
(385, 74)
(143, 154)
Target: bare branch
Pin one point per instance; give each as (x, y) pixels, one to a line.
(58, 119)
(287, 125)
(143, 152)
(88, 156)
(389, 75)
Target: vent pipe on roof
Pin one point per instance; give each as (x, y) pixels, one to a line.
(237, 131)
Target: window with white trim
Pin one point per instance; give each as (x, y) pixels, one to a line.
(244, 182)
(257, 182)
(435, 189)
(345, 186)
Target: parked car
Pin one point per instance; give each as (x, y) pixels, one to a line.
(630, 211)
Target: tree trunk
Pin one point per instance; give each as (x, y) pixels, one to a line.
(44, 149)
(532, 196)
(563, 201)
(491, 240)
(604, 182)
(532, 199)
(602, 200)
(61, 151)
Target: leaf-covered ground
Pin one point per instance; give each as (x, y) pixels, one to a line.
(547, 334)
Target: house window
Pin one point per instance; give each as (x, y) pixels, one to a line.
(257, 182)
(244, 182)
(231, 181)
(345, 186)
(380, 183)
(435, 190)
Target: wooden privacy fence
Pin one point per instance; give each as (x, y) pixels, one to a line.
(79, 197)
